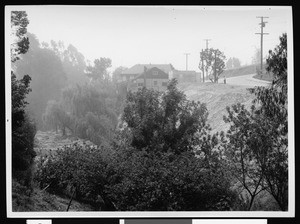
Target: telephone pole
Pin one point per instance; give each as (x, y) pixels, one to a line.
(202, 64)
(186, 60)
(215, 67)
(262, 25)
(207, 42)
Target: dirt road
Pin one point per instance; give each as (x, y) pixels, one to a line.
(245, 80)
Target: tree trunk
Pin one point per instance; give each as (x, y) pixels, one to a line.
(63, 131)
(71, 199)
(251, 202)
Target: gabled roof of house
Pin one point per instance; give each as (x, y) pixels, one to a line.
(184, 72)
(149, 73)
(139, 68)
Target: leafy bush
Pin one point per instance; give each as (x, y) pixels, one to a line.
(164, 121)
(144, 181)
(155, 167)
(79, 168)
(23, 131)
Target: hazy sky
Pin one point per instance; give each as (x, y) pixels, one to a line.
(162, 34)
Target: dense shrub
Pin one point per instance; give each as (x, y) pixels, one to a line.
(23, 131)
(79, 168)
(143, 169)
(164, 121)
(152, 182)
(155, 166)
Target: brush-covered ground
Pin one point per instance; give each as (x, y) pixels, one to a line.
(39, 199)
(42, 201)
(215, 96)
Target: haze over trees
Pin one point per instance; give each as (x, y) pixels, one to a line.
(233, 63)
(73, 61)
(47, 74)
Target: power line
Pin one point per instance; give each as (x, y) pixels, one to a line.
(262, 25)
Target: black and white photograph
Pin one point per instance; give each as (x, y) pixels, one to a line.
(149, 111)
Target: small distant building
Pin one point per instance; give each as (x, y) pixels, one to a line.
(153, 78)
(138, 69)
(185, 76)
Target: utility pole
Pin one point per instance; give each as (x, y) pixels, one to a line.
(201, 57)
(207, 42)
(262, 25)
(186, 60)
(215, 66)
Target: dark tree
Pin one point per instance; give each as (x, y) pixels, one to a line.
(277, 62)
(23, 129)
(19, 22)
(165, 121)
(154, 167)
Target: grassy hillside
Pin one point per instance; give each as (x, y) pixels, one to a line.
(244, 70)
(217, 97)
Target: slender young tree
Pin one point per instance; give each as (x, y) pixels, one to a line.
(213, 62)
(261, 135)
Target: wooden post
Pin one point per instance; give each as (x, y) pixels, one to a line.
(145, 69)
(215, 67)
(202, 64)
(71, 199)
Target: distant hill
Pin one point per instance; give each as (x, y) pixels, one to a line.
(217, 97)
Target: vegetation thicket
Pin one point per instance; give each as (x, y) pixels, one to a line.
(151, 164)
